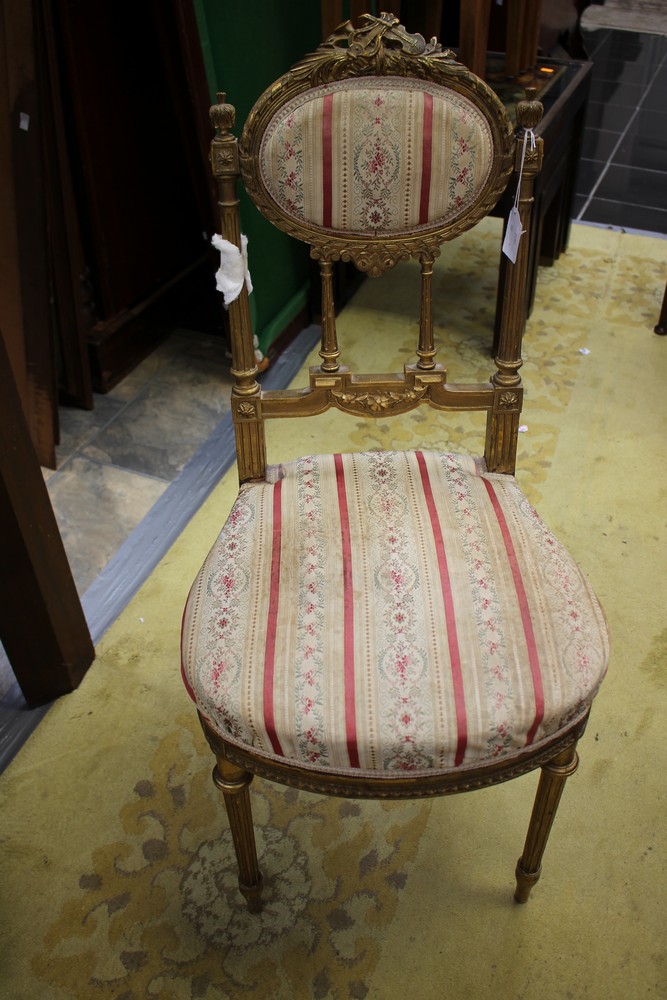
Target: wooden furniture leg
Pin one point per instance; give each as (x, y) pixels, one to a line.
(552, 781)
(532, 34)
(523, 29)
(474, 34)
(234, 783)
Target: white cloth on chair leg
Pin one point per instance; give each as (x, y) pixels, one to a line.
(233, 270)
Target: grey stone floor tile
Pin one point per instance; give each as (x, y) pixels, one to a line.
(159, 431)
(96, 507)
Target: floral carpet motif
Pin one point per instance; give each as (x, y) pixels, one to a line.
(159, 913)
(118, 877)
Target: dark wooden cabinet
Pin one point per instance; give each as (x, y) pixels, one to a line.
(138, 165)
(111, 201)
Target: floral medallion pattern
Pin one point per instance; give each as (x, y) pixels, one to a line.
(226, 589)
(376, 162)
(379, 157)
(310, 666)
(401, 651)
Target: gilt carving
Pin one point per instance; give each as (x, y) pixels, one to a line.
(379, 401)
(380, 47)
(366, 41)
(222, 115)
(508, 399)
(367, 257)
(529, 112)
(247, 410)
(224, 158)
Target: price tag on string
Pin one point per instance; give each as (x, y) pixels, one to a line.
(514, 232)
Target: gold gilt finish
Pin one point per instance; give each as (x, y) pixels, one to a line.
(250, 441)
(382, 47)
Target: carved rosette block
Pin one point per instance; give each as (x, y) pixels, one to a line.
(246, 409)
(503, 428)
(224, 156)
(250, 440)
(508, 401)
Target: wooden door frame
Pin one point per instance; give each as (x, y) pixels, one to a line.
(24, 295)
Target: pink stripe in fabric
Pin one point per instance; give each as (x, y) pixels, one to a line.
(272, 623)
(427, 151)
(327, 161)
(348, 616)
(450, 616)
(526, 620)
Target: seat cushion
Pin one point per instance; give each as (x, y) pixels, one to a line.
(390, 611)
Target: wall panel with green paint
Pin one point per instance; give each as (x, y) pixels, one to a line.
(246, 46)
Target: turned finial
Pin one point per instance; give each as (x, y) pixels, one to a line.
(222, 115)
(529, 112)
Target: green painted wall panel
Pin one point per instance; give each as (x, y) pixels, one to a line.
(246, 46)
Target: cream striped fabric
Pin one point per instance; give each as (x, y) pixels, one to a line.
(390, 611)
(382, 154)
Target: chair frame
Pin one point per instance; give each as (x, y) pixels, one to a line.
(381, 47)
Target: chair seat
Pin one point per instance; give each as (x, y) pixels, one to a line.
(390, 611)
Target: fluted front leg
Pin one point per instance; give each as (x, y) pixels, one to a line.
(234, 783)
(552, 781)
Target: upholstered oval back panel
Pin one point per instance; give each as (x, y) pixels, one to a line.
(385, 155)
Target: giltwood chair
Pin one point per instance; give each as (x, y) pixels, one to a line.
(385, 624)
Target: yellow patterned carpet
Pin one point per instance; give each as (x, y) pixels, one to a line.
(116, 865)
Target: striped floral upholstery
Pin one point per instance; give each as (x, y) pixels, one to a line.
(380, 155)
(390, 611)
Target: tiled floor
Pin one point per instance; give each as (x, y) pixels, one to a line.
(116, 461)
(622, 179)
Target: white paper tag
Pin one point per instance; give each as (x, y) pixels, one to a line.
(513, 234)
(24, 121)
